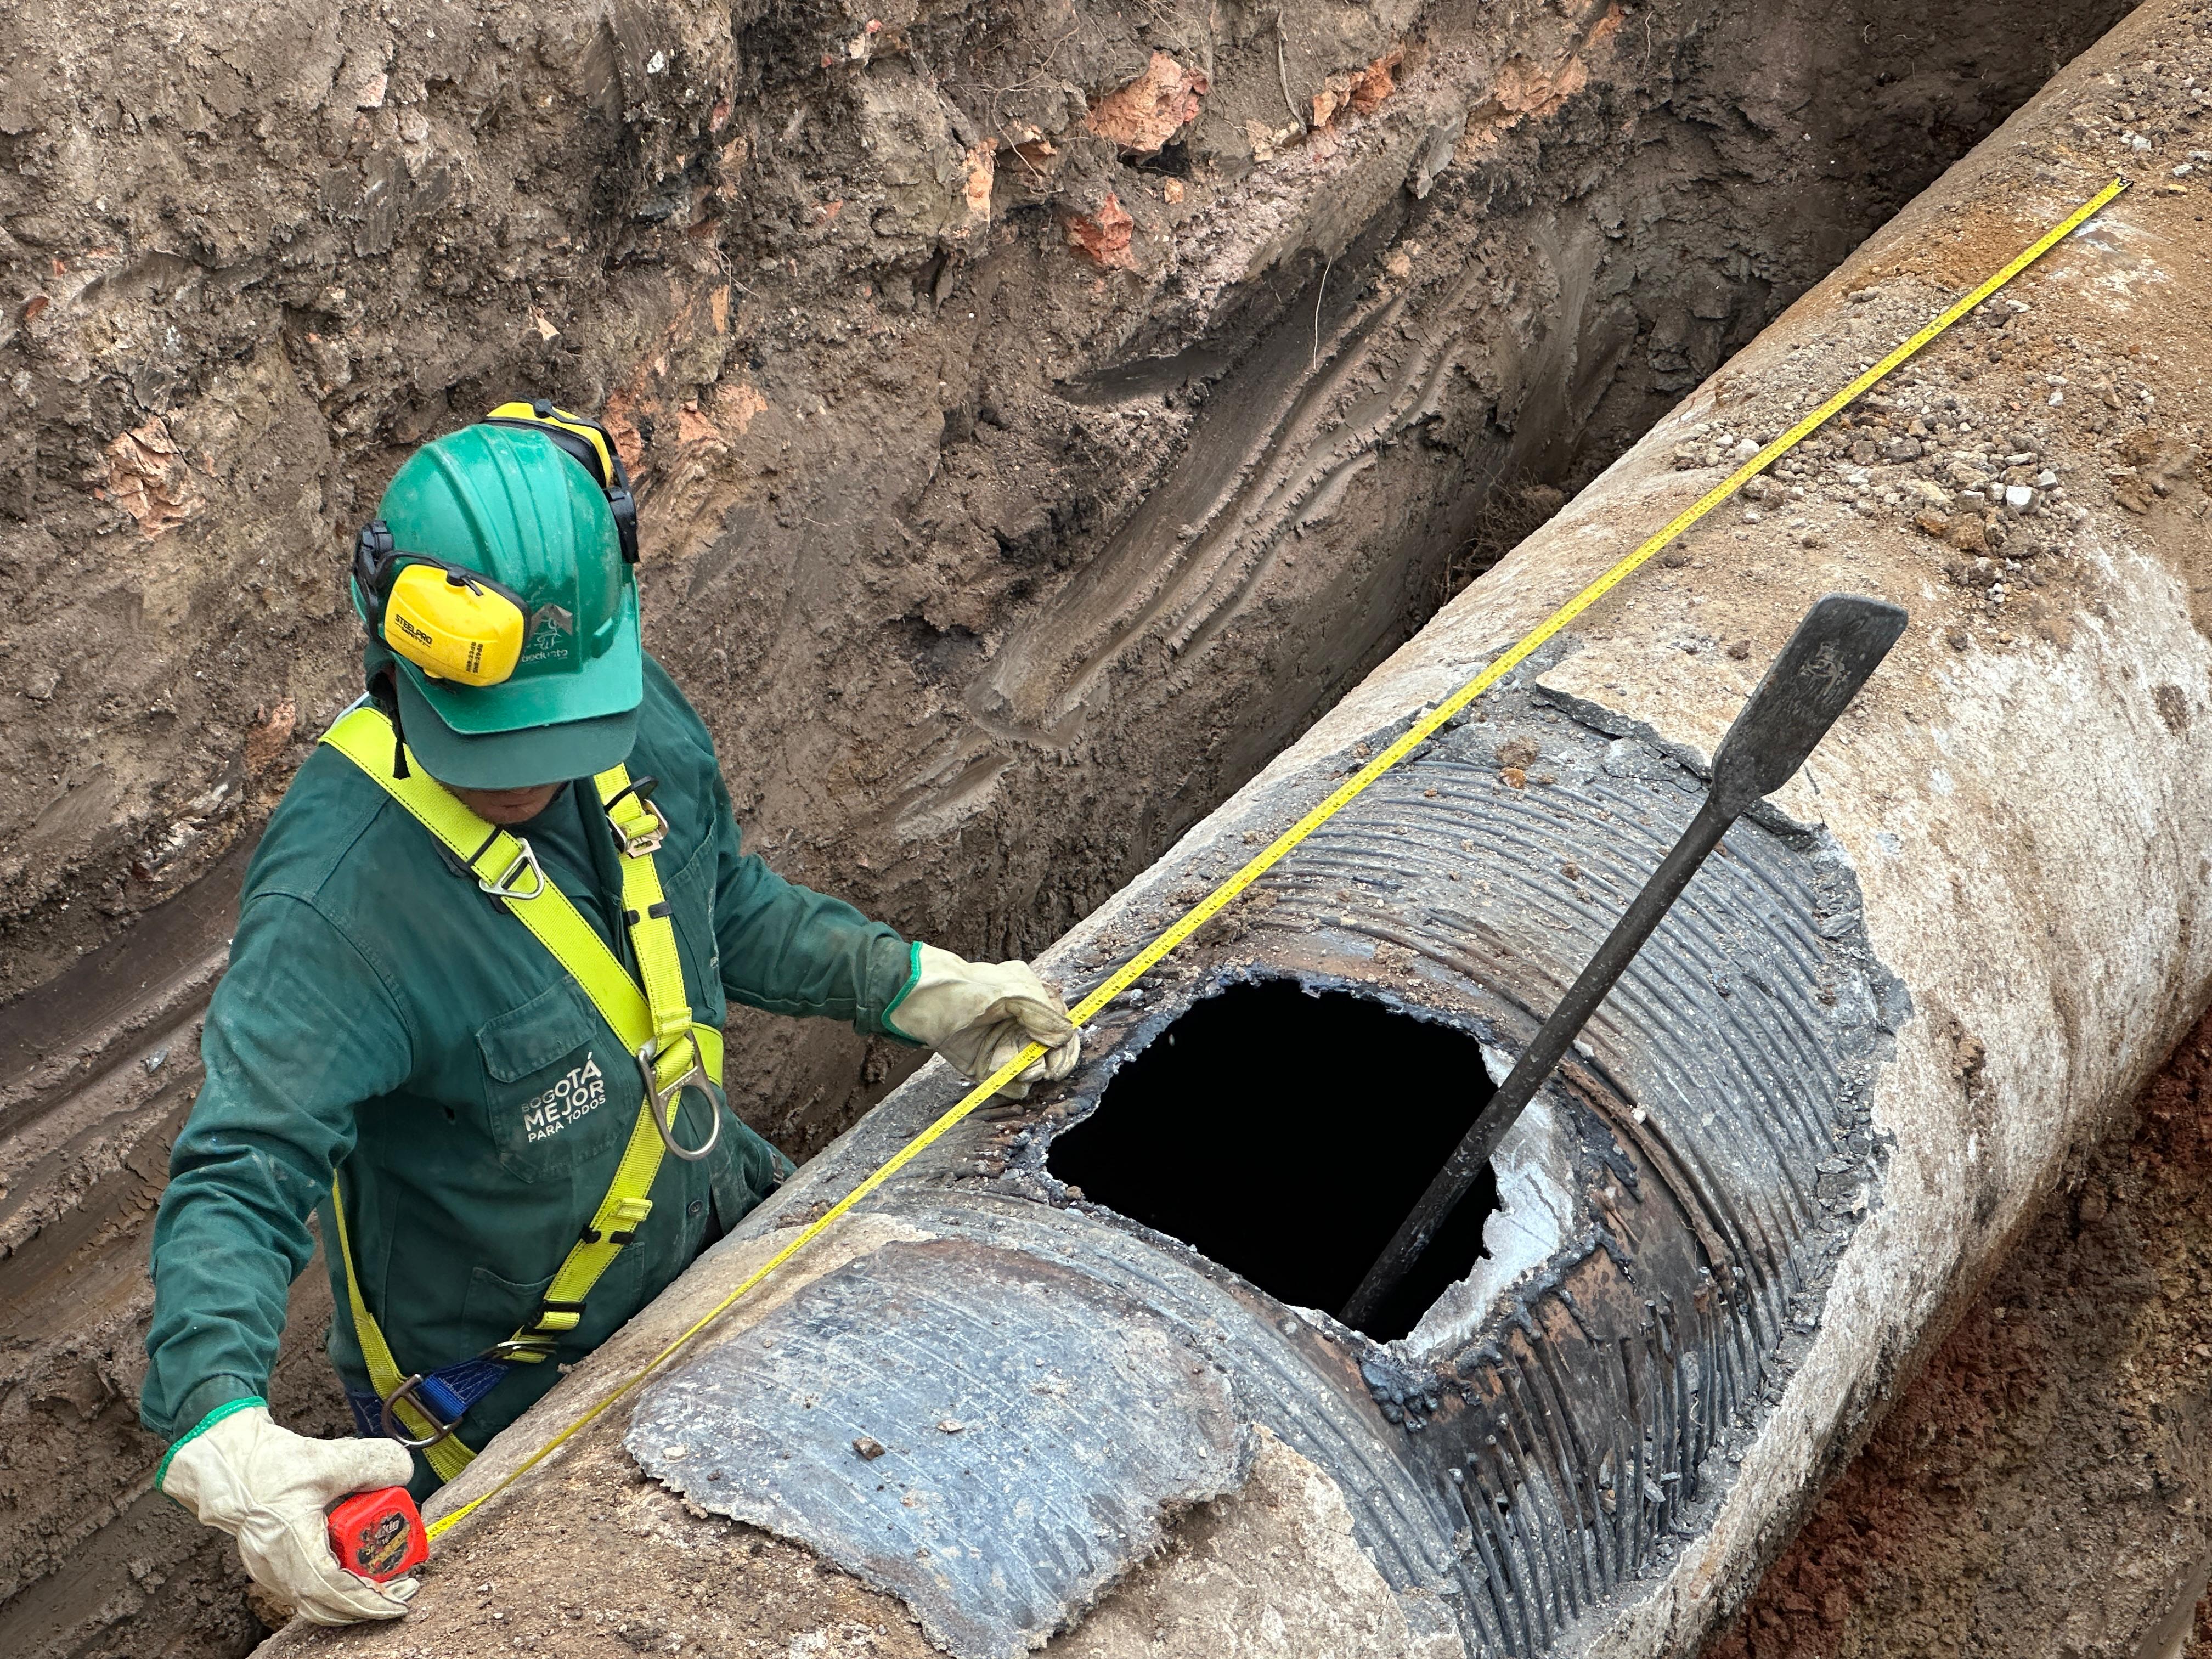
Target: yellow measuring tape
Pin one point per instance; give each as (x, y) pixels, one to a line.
(1208, 908)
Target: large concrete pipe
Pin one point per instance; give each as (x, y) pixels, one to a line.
(991, 1413)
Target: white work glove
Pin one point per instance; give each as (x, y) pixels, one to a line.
(979, 1015)
(268, 1488)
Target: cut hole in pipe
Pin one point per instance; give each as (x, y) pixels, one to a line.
(1285, 1134)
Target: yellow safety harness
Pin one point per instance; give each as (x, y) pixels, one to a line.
(673, 1052)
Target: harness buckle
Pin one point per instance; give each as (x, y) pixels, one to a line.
(663, 1103)
(521, 1350)
(502, 886)
(388, 1420)
(639, 843)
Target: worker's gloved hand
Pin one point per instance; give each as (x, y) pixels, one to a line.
(979, 1015)
(268, 1488)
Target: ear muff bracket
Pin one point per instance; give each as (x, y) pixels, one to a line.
(593, 447)
(373, 549)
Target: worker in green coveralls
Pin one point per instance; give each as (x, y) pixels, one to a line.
(473, 1012)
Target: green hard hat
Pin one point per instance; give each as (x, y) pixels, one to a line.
(508, 503)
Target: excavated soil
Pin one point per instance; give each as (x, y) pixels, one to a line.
(2039, 1490)
(1030, 444)
(1041, 413)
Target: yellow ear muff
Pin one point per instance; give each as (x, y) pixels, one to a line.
(452, 626)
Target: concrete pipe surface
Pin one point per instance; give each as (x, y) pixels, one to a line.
(1010, 1405)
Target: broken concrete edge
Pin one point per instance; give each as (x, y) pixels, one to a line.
(1306, 1572)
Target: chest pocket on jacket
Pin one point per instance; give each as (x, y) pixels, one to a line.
(558, 1091)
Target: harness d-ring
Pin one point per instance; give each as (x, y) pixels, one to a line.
(506, 884)
(663, 1103)
(389, 1422)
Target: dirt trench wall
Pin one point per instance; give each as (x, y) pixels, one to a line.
(1040, 413)
(1018, 474)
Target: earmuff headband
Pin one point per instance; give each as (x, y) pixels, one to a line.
(594, 446)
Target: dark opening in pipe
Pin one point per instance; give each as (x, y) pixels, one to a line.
(1285, 1133)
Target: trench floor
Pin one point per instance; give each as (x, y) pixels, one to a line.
(2029, 1493)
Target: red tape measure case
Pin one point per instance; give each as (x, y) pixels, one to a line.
(379, 1534)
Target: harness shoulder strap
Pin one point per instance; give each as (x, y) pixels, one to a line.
(674, 1053)
(505, 867)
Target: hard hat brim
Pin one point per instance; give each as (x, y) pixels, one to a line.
(517, 735)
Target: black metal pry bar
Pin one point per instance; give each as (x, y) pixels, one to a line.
(1840, 641)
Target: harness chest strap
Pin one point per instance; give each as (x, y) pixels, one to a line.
(655, 1023)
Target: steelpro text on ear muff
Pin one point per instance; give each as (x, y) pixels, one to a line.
(451, 623)
(592, 445)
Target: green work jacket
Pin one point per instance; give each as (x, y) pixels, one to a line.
(382, 1019)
